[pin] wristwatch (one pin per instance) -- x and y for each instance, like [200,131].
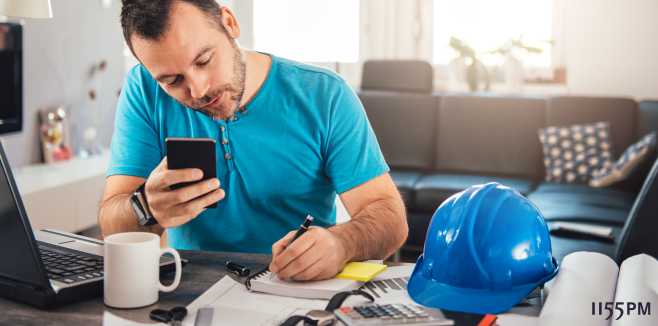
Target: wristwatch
[141,207]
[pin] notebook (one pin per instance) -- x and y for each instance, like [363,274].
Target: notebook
[265,282]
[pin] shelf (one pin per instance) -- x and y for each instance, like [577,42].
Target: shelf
[63,195]
[39,177]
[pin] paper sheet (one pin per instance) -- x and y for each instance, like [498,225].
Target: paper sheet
[637,283]
[234,305]
[584,277]
[516,320]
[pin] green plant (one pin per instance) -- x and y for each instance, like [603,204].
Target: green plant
[473,65]
[517,43]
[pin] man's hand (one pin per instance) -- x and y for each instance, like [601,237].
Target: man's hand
[317,255]
[176,207]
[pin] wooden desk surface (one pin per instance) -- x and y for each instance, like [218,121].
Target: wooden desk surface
[204,269]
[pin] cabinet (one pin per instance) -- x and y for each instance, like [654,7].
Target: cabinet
[63,195]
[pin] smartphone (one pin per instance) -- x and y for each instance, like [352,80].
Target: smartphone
[188,153]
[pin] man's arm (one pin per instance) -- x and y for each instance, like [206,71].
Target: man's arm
[377,229]
[379,223]
[170,208]
[116,214]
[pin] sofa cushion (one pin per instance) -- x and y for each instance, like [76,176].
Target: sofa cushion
[575,212]
[398,75]
[480,134]
[626,164]
[647,122]
[648,117]
[573,153]
[431,190]
[620,112]
[418,224]
[405,182]
[556,194]
[561,245]
[404,125]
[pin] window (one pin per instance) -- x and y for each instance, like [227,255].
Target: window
[308,30]
[487,25]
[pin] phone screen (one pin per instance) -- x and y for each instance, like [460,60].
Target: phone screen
[186,153]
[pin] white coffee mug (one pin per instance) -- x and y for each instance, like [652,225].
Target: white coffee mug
[132,269]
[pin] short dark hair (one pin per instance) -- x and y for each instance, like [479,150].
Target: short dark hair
[149,19]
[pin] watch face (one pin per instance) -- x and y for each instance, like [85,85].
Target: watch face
[322,317]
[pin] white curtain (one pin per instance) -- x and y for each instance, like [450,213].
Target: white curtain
[391,29]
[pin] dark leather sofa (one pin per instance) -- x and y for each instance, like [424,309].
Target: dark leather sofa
[437,144]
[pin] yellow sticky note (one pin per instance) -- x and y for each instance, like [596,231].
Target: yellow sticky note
[362,272]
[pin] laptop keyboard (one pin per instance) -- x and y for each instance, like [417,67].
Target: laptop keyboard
[70,267]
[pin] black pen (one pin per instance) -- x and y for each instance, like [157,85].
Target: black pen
[302,229]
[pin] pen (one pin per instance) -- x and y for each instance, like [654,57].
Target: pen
[302,229]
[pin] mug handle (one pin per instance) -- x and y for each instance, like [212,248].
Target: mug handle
[179,270]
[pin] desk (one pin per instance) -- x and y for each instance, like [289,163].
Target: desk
[205,268]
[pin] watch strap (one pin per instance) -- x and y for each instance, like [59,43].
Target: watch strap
[293,320]
[337,300]
[150,220]
[334,303]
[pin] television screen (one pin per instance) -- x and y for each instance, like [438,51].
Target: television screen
[11,77]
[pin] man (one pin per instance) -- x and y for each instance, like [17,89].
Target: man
[290,136]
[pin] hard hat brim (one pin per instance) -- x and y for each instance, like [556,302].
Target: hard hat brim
[430,293]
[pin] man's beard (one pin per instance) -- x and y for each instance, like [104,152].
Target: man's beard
[236,89]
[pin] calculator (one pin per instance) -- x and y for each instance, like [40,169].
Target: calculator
[391,314]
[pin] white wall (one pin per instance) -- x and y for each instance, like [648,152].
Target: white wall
[57,56]
[611,47]
[243,9]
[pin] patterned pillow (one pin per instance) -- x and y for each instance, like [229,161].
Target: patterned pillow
[632,157]
[573,153]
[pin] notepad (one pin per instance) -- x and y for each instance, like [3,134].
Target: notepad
[362,272]
[325,289]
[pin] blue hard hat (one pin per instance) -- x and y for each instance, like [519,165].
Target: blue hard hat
[486,249]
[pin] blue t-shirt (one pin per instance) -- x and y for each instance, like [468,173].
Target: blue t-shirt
[302,138]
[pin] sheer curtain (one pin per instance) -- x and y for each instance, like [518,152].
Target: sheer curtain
[392,29]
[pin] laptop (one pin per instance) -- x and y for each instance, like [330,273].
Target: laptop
[46,268]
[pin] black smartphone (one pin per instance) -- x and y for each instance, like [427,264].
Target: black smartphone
[192,153]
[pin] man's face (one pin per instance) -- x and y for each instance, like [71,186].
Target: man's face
[196,62]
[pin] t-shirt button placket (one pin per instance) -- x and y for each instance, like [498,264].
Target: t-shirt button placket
[228,157]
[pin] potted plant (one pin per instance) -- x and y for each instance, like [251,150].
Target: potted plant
[467,60]
[512,65]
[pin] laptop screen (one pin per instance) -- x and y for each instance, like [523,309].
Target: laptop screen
[17,256]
